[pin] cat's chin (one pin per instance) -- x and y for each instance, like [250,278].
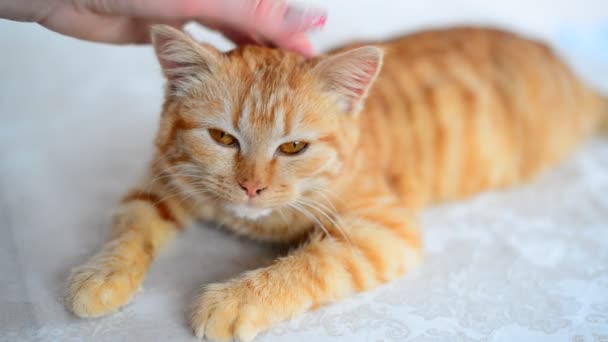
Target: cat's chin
[247,211]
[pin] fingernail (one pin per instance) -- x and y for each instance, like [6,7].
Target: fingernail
[303,19]
[319,22]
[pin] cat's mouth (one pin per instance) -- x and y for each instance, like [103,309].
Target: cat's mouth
[247,211]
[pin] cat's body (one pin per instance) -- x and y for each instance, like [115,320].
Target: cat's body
[455,112]
[452,113]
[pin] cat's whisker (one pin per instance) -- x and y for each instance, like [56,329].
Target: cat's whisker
[176,190]
[171,172]
[337,222]
[172,195]
[282,214]
[324,193]
[162,169]
[309,215]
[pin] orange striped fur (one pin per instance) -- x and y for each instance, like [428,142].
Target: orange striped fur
[451,113]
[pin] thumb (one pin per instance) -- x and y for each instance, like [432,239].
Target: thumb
[159,9]
[273,19]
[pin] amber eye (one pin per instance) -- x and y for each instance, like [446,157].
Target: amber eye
[223,137]
[293,148]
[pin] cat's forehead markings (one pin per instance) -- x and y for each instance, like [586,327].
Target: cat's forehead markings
[271,100]
[287,122]
[296,119]
[279,121]
[256,97]
[244,116]
[229,109]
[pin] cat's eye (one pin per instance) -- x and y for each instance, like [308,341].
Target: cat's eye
[223,138]
[293,148]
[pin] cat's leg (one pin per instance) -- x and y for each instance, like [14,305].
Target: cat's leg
[145,220]
[381,244]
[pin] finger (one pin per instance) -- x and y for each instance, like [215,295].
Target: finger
[139,30]
[176,9]
[102,28]
[273,19]
[240,12]
[237,37]
[298,43]
[270,18]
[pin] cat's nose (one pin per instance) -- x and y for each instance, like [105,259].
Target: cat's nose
[252,188]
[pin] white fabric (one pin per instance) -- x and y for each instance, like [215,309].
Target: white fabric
[77,123]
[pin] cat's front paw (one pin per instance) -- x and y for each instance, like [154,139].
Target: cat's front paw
[231,310]
[95,290]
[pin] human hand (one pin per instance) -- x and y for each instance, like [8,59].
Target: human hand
[268,22]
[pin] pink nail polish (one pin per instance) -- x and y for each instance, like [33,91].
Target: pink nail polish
[298,19]
[319,22]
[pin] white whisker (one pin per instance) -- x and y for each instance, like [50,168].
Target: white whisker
[312,217]
[332,217]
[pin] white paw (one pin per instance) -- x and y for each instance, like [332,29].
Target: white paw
[96,291]
[228,311]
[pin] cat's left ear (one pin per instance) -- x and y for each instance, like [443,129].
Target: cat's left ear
[349,75]
[183,60]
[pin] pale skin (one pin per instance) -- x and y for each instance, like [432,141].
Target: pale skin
[265,22]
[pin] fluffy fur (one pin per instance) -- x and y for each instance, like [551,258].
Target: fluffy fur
[452,113]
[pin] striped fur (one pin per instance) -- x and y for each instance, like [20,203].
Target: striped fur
[451,113]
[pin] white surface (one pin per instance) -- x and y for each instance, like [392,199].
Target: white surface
[76,125]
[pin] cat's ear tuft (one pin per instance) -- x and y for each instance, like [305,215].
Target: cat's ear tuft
[349,75]
[182,59]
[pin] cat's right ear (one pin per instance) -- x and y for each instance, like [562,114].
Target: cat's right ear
[349,75]
[185,62]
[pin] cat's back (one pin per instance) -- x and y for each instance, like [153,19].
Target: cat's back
[460,110]
[474,42]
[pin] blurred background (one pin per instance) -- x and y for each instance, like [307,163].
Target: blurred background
[77,120]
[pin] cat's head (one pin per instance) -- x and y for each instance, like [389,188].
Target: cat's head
[257,128]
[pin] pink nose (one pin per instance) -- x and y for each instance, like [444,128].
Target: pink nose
[252,189]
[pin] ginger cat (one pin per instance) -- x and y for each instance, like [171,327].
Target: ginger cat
[281,148]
